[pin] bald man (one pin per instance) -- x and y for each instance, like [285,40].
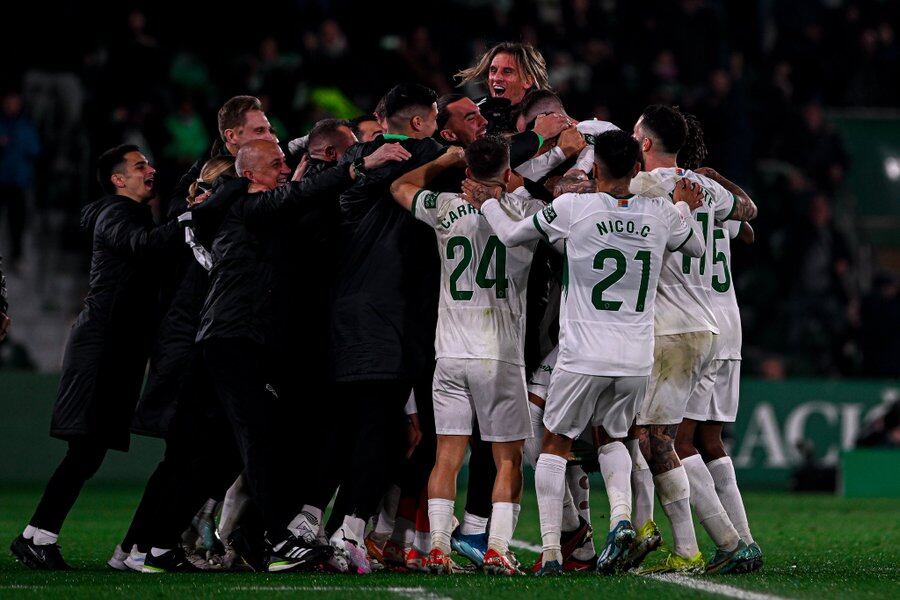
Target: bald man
[240,320]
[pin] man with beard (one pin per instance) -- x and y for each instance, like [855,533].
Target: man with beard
[384,314]
[176,374]
[107,352]
[238,327]
[511,70]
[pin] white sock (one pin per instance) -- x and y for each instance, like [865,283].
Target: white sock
[550,485]
[440,517]
[722,472]
[29,532]
[422,541]
[517,508]
[615,465]
[154,551]
[233,505]
[674,494]
[706,502]
[641,485]
[532,448]
[404,532]
[42,537]
[473,524]
[309,519]
[580,488]
[570,520]
[384,525]
[354,529]
[503,524]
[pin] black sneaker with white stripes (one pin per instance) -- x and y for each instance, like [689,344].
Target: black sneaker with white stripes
[294,553]
[34,556]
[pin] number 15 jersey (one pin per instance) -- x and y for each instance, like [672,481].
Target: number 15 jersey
[614,251]
[482,302]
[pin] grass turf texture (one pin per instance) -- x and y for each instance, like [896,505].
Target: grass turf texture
[815,546]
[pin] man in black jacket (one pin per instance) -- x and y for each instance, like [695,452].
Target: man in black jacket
[241,318]
[107,352]
[383,315]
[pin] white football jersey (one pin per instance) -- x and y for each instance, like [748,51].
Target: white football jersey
[482,303]
[683,304]
[614,251]
[727,345]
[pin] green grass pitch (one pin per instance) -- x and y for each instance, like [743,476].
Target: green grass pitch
[815,546]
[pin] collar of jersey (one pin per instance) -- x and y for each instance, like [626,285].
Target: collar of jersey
[394,136]
[625,197]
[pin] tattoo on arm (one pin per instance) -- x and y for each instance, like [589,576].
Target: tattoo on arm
[573,184]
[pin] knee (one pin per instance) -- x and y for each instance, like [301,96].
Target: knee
[684,448]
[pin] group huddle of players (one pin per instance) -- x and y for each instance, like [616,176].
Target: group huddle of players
[604,251]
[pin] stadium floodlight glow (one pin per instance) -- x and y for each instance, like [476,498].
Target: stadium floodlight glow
[892,168]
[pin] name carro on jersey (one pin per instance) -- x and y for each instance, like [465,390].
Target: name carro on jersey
[461,211]
[620,226]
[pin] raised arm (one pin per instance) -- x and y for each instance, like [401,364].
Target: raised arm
[405,187]
[744,207]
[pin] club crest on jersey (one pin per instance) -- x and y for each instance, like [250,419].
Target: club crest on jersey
[589,139]
[549,213]
[430,200]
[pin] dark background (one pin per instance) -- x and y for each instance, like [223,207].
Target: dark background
[798,100]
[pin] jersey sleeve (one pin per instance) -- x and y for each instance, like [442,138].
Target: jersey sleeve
[513,231]
[650,185]
[733,228]
[684,231]
[724,201]
[426,206]
[525,202]
[555,219]
[590,130]
[541,165]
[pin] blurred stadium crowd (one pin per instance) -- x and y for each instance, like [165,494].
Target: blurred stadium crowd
[759,75]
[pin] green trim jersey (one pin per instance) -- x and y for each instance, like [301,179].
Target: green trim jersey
[614,250]
[482,301]
[724,301]
[683,303]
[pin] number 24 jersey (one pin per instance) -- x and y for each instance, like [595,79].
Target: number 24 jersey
[482,301]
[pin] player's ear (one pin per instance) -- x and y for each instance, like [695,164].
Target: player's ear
[117,180]
[448,135]
[636,169]
[468,173]
[416,123]
[507,175]
[595,171]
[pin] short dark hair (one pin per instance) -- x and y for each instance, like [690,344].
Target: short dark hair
[355,122]
[537,102]
[487,157]
[325,130]
[616,152]
[443,113]
[379,108]
[233,113]
[408,96]
[111,162]
[667,124]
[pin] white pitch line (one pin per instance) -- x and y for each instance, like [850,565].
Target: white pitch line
[525,546]
[414,593]
[704,585]
[683,580]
